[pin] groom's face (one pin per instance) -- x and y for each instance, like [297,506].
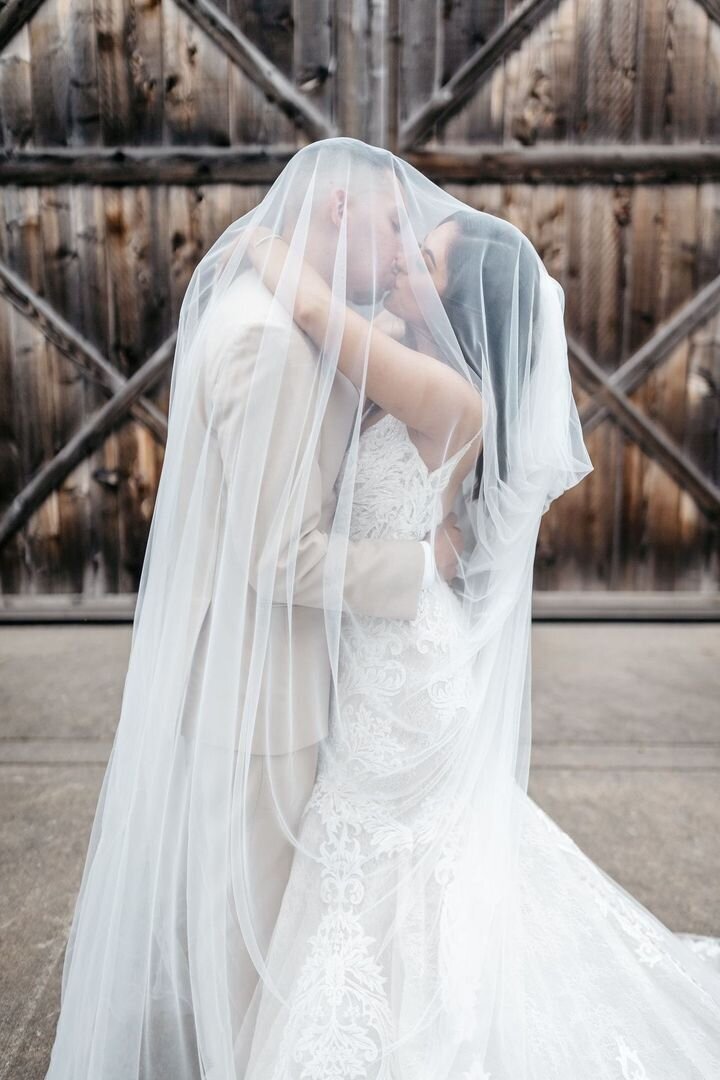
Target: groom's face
[373,239]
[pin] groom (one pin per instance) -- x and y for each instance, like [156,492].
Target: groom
[382,577]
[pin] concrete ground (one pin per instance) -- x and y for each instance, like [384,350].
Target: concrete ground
[626,759]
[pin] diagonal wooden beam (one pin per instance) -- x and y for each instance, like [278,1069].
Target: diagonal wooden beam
[78,349]
[266,76]
[477,67]
[13,16]
[84,441]
[637,367]
[649,437]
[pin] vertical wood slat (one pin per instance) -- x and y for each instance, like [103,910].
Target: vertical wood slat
[83,102]
[115,96]
[709,100]
[33,403]
[16,107]
[314,61]
[417,31]
[93,299]
[61,288]
[356,61]
[144,52]
[665,389]
[654,74]
[11,473]
[631,557]
[597,528]
[269,25]
[50,73]
[196,76]
[491,108]
[137,239]
[252,118]
[349,109]
[689,71]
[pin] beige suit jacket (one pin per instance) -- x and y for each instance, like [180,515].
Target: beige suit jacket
[382,577]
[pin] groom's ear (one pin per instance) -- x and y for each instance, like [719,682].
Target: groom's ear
[338,201]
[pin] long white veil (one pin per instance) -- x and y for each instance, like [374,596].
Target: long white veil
[261,575]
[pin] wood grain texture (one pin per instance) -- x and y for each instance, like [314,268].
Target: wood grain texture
[135,131]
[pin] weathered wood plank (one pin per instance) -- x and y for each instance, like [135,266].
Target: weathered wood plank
[662,396]
[136,237]
[595,529]
[50,73]
[101,572]
[634,370]
[32,375]
[269,25]
[144,57]
[83,104]
[114,84]
[16,108]
[651,439]
[454,93]
[91,435]
[314,61]
[72,344]
[257,67]
[418,37]
[195,70]
[572,165]
[60,285]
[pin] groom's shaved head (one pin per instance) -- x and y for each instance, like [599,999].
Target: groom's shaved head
[355,204]
[335,163]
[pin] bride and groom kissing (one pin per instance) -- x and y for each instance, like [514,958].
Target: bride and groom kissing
[314,853]
[358,226]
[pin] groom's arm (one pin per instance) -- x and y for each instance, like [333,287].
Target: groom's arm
[280,511]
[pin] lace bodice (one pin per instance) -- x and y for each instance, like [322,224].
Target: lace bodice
[396,495]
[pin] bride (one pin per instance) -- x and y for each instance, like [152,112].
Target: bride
[592,1007]
[314,855]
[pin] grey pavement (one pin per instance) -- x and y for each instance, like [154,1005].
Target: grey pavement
[626,758]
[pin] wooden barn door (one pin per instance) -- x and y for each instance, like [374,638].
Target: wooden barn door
[134,131]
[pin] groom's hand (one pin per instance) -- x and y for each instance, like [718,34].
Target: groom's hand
[448,547]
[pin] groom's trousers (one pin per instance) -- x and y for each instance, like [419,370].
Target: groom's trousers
[270,853]
[277,784]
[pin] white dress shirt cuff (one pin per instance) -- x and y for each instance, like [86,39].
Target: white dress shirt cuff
[429,573]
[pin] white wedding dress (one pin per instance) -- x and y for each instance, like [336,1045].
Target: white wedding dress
[607,990]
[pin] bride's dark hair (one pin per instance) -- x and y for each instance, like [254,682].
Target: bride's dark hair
[490,258]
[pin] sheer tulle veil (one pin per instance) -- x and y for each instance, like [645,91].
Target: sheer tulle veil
[252,582]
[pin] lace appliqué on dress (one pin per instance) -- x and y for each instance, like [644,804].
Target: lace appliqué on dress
[340,1021]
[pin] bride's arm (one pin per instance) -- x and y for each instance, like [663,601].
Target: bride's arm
[416,388]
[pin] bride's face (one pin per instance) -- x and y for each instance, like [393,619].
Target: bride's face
[402,299]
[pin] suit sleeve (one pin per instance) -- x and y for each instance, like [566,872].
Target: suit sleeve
[288,546]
